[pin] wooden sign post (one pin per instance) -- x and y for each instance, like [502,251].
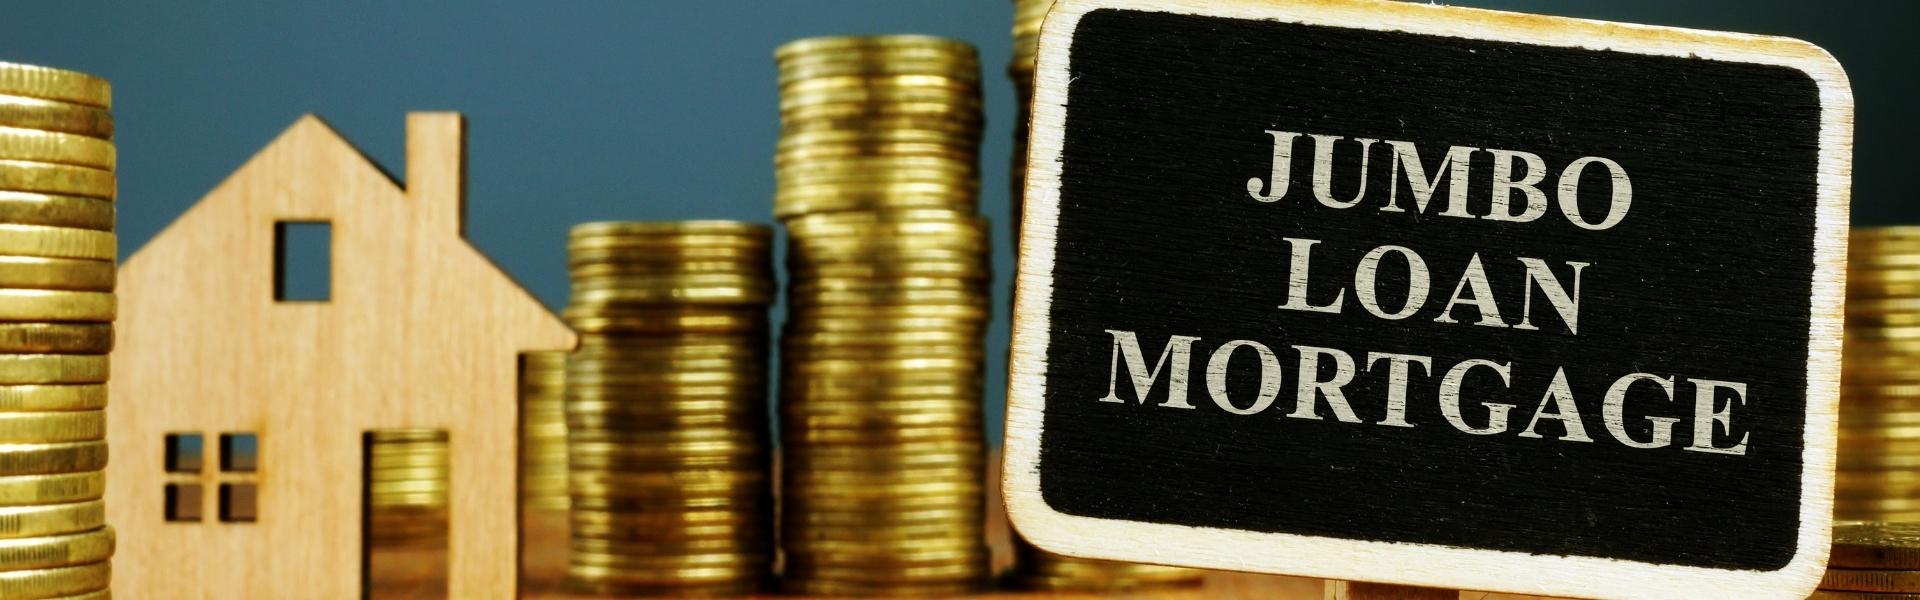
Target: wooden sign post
[1431,296]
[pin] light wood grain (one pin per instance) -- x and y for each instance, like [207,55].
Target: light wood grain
[421,331]
[1416,563]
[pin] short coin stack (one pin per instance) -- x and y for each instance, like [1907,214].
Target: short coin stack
[881,431]
[57,306]
[543,431]
[667,408]
[1042,570]
[407,488]
[1872,560]
[1879,455]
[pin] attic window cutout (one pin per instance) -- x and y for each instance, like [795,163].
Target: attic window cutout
[183,502]
[239,503]
[184,451]
[239,452]
[302,261]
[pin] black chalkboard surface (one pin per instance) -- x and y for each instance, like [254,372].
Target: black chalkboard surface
[1431,296]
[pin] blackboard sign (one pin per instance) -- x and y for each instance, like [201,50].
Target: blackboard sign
[1433,296]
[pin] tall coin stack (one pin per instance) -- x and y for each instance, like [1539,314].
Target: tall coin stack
[667,408]
[1872,561]
[1879,458]
[57,306]
[880,424]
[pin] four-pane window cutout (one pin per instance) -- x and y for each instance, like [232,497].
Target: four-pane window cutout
[238,491]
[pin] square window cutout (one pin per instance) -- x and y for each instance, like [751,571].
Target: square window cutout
[239,502]
[184,453]
[184,501]
[239,452]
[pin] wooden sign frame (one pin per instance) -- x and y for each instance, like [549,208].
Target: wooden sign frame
[1415,563]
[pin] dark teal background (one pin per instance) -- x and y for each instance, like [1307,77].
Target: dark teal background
[659,109]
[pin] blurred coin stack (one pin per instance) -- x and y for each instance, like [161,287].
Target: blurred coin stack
[407,488]
[1041,570]
[543,431]
[1027,16]
[671,491]
[1871,560]
[881,432]
[1879,458]
[57,306]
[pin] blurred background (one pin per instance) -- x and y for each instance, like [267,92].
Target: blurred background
[584,111]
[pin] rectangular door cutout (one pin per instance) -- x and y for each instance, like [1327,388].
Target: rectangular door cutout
[404,513]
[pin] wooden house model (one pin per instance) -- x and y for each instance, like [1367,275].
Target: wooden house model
[237,416]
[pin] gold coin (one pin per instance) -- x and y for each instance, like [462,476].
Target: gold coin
[51,115]
[52,397]
[58,581]
[53,368]
[711,227]
[40,273]
[55,147]
[54,338]
[56,242]
[51,305]
[58,550]
[37,427]
[854,516]
[1876,546]
[854,87]
[795,71]
[54,84]
[877,43]
[67,457]
[804,257]
[58,211]
[926,216]
[50,519]
[20,490]
[48,178]
[741,295]
[974,270]
[895,196]
[594,273]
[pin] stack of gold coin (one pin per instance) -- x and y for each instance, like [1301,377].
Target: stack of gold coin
[407,488]
[1046,571]
[1879,458]
[543,431]
[671,491]
[57,253]
[1027,17]
[1872,560]
[881,430]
